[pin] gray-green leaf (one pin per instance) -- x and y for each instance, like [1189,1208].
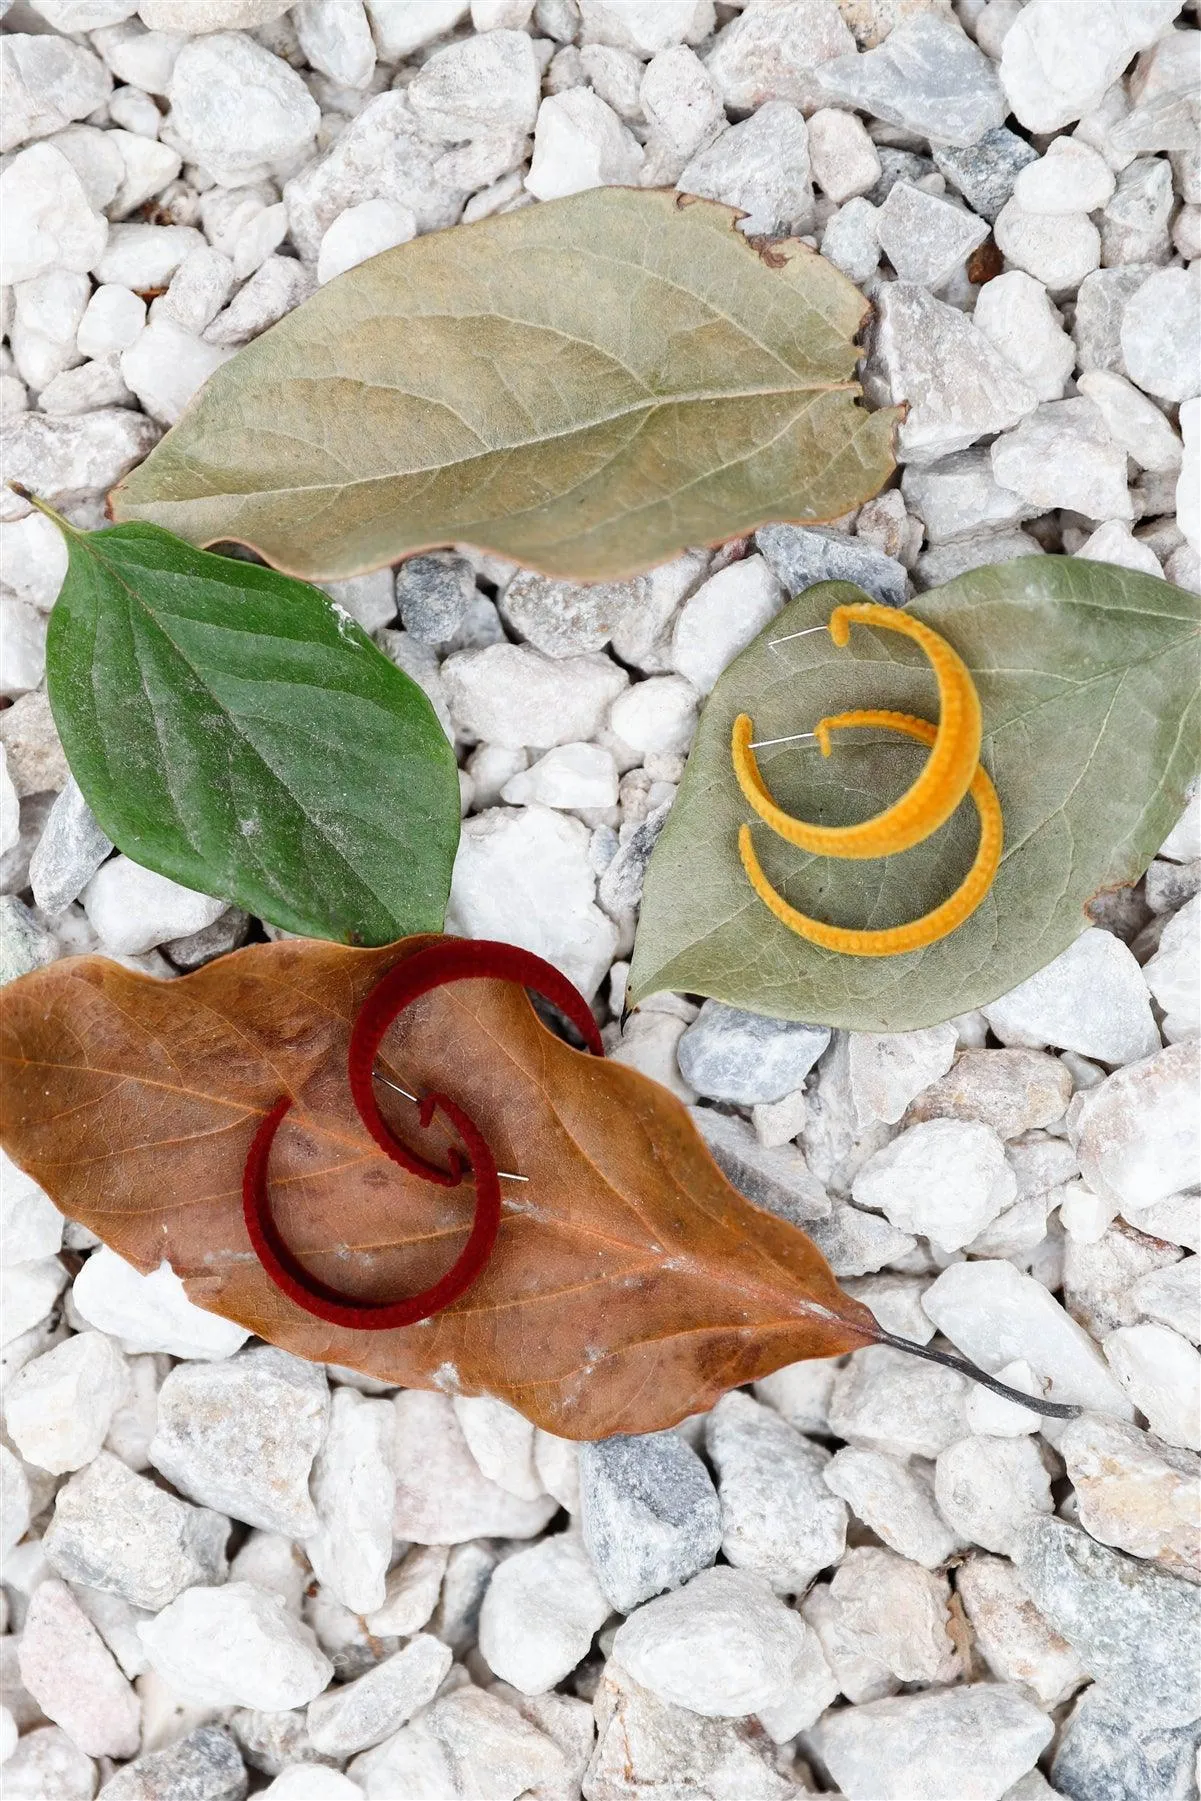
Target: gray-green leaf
[232,729]
[586,386]
[1088,679]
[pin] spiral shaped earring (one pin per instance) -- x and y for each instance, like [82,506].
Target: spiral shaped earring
[938,790]
[893,941]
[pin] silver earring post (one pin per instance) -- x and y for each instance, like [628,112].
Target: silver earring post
[807,633]
[506,1175]
[762,743]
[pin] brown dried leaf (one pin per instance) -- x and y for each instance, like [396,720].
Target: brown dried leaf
[630,1285]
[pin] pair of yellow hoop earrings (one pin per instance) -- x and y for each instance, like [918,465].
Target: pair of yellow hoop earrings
[953,771]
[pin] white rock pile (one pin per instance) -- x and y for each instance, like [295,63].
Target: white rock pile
[229,1572]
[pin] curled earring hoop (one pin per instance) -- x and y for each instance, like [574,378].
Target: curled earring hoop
[938,790]
[893,941]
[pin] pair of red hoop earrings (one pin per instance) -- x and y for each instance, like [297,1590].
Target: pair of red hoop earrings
[451,960]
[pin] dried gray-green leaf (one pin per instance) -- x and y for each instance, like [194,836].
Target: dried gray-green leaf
[586,386]
[1088,679]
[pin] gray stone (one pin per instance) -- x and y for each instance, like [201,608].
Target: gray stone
[854,1243]
[775,1177]
[897,165]
[896,1501]
[1100,305]
[1128,1620]
[985,172]
[225,934]
[119,1532]
[356,1715]
[24,946]
[945,1745]
[560,618]
[1109,1753]
[779,1518]
[619,890]
[762,166]
[799,556]
[730,1055]
[957,384]
[927,77]
[241,1436]
[433,593]
[649,1515]
[927,239]
[959,497]
[69,852]
[650,1750]
[205,1766]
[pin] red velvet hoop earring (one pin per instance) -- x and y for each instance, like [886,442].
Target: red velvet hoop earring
[337,1309]
[458,960]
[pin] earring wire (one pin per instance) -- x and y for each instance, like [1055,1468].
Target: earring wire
[506,1175]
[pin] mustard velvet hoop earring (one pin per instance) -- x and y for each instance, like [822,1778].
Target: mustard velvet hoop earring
[893,941]
[938,790]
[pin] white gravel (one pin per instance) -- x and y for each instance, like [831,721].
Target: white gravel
[229,1570]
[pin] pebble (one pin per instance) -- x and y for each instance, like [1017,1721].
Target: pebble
[679,100]
[1172,1296]
[958,386]
[1161,1372]
[656,717]
[67,461]
[1063,456]
[27,1293]
[73,1676]
[442,1495]
[799,557]
[311,1782]
[524,876]
[885,1400]
[1011,1635]
[212,77]
[47,83]
[513,695]
[410,1592]
[353,1494]
[986,172]
[645,26]
[943,1179]
[649,1515]
[779,1519]
[727,1054]
[502,1443]
[925,238]
[1107,1753]
[944,1745]
[540,1614]
[849,240]
[1091,998]
[895,1500]
[723,1646]
[580,143]
[845,162]
[1173,974]
[235,1646]
[133,909]
[773,53]
[1134,1491]
[280,284]
[58,1409]
[991,1416]
[572,776]
[1135,224]
[987,1488]
[166,365]
[46,1766]
[1070,177]
[1053,75]
[777,1178]
[359,1714]
[994,1313]
[150,1313]
[31,1226]
[117,1531]
[1126,1619]
[240,1436]
[1160,321]
[761,166]
[1135,1134]
[1013,1091]
[927,77]
[722,617]
[647,1744]
[1017,315]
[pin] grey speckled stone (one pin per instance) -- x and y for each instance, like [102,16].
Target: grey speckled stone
[798,556]
[70,851]
[433,593]
[205,1766]
[730,1055]
[24,946]
[1108,1755]
[778,1178]
[897,165]
[985,173]
[649,1514]
[927,77]
[1129,1622]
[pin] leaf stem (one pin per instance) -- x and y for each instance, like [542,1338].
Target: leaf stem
[1054,1410]
[24,493]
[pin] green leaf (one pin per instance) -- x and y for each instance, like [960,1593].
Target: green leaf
[235,731]
[586,386]
[1088,679]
